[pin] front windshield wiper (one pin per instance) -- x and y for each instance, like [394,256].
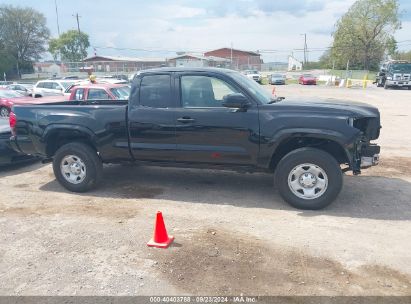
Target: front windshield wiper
[278,99]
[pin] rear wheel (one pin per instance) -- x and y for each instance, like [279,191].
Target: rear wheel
[77,167]
[308,178]
[4,112]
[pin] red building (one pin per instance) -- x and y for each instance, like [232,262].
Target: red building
[241,60]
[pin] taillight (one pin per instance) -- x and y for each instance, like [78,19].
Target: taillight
[13,122]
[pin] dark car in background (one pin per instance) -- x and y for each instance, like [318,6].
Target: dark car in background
[276,79]
[7,154]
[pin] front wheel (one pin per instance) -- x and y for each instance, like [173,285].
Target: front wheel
[308,178]
[77,167]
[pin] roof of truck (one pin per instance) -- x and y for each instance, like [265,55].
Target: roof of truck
[177,69]
[104,85]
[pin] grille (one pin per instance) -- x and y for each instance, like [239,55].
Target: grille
[405,77]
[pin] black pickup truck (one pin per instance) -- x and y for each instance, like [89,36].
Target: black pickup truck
[205,118]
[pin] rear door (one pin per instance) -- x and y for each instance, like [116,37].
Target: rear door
[151,117]
[207,132]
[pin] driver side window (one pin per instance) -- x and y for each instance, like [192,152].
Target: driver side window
[204,91]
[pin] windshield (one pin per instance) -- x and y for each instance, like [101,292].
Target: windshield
[66,84]
[121,93]
[253,87]
[251,72]
[9,94]
[404,67]
[277,75]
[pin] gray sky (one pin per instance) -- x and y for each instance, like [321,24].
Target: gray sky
[163,27]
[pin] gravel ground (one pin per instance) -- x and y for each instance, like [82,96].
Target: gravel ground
[233,233]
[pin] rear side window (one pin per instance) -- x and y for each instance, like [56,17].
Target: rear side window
[47,85]
[97,94]
[55,86]
[155,91]
[79,94]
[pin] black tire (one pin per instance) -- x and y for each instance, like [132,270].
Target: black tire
[4,112]
[386,86]
[318,158]
[92,163]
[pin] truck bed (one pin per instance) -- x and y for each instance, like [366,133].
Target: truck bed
[105,122]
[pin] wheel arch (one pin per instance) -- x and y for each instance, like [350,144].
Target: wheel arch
[56,136]
[291,143]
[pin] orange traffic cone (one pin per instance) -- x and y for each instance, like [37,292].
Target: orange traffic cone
[160,239]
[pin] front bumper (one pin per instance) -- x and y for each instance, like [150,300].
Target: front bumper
[398,83]
[370,155]
[365,155]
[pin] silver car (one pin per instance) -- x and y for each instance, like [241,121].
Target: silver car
[24,89]
[276,79]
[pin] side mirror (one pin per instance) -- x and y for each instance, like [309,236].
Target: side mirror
[236,100]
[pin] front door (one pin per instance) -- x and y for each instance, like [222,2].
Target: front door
[151,119]
[207,132]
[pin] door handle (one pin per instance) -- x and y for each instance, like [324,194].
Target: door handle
[185,119]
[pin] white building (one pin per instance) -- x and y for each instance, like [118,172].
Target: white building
[294,64]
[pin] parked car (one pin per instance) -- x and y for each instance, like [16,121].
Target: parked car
[205,118]
[72,77]
[24,89]
[100,91]
[276,79]
[254,75]
[7,154]
[51,87]
[8,98]
[4,84]
[307,79]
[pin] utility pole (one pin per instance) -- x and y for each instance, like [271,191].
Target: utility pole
[57,15]
[78,22]
[305,48]
[79,32]
[231,55]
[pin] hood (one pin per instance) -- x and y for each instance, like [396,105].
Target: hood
[352,109]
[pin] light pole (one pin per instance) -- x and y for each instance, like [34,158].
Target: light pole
[305,47]
[57,16]
[79,32]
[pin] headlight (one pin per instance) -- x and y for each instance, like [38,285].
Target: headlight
[389,78]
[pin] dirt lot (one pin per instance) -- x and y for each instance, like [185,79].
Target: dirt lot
[233,233]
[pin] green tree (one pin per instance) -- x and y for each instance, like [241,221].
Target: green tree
[23,34]
[403,55]
[364,34]
[71,46]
